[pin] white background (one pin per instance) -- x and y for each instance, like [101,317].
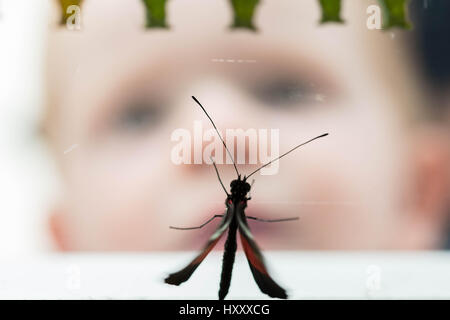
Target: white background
[306,275]
[24,170]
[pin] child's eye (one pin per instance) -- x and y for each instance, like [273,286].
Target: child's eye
[139,115]
[283,92]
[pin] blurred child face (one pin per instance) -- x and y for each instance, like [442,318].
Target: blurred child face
[119,93]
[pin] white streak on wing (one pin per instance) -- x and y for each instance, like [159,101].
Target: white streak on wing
[224,225]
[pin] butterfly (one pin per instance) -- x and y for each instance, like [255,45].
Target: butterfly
[233,220]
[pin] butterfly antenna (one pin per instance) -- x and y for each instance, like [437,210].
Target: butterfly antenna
[228,151]
[323,135]
[218,176]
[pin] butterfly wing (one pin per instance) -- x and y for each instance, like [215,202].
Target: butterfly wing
[184,274]
[256,260]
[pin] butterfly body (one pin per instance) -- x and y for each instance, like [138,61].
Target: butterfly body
[237,199]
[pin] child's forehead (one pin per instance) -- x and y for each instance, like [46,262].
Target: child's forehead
[112,29]
[113,40]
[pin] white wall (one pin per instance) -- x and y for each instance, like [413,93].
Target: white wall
[24,171]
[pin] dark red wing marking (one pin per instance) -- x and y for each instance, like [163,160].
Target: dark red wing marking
[205,251]
[251,256]
[185,273]
[256,262]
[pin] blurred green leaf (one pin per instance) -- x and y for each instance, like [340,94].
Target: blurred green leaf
[64,5]
[395,14]
[244,11]
[331,11]
[156,13]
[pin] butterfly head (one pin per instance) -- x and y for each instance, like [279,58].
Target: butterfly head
[239,188]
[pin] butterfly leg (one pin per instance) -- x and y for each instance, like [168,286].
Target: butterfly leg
[199,227]
[272,220]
